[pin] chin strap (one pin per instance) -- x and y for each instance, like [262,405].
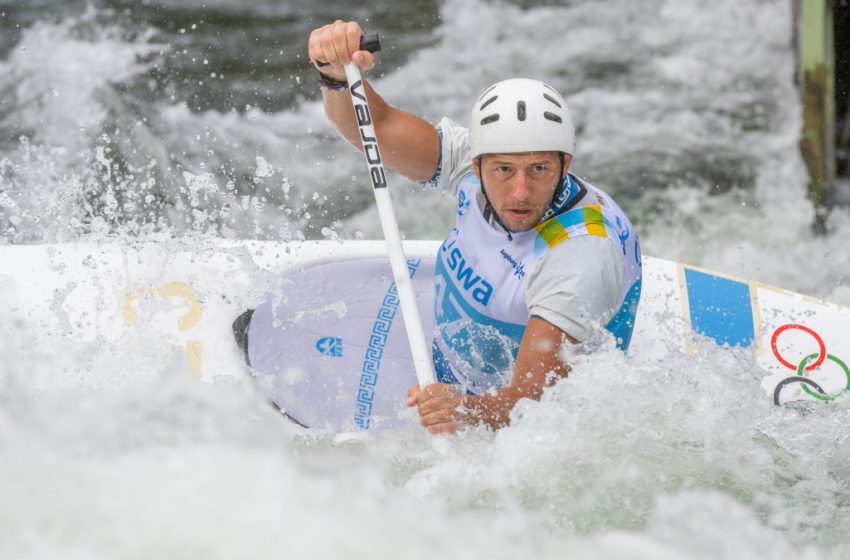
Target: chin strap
[488,208]
[559,187]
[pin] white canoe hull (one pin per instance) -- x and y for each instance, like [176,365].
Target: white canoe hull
[188,294]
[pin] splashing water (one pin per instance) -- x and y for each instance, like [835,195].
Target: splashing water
[687,113]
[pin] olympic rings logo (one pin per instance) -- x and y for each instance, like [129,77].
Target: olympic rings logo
[806,364]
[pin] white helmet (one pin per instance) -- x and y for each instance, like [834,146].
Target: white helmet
[521,115]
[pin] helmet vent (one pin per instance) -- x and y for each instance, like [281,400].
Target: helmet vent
[552,99]
[520,110]
[492,99]
[552,117]
[491,119]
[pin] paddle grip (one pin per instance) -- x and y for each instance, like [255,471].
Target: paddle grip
[368,42]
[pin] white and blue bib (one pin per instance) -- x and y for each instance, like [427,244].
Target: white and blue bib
[480,282]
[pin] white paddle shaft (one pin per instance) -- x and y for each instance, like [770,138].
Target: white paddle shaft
[409,310]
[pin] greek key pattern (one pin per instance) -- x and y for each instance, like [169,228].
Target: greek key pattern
[375,351]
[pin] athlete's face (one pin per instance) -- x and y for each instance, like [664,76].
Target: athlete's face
[521,186]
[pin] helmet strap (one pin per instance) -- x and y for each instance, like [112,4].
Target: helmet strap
[564,189]
[488,208]
[559,185]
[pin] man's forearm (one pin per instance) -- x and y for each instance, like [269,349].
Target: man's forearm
[340,112]
[409,145]
[538,365]
[494,409]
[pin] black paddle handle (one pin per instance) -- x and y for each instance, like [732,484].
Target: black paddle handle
[369,42]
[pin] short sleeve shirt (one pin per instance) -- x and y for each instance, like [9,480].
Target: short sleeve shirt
[577,285]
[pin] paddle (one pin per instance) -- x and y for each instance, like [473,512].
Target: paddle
[410,312]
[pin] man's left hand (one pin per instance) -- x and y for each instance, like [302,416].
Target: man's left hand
[439,406]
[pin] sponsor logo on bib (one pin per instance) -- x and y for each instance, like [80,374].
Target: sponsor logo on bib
[519,267]
[462,204]
[480,289]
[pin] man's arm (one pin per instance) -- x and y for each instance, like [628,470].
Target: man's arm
[442,407]
[409,145]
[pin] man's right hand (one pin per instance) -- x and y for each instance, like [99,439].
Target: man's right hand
[337,44]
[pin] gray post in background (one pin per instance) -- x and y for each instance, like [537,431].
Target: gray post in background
[841,16]
[816,57]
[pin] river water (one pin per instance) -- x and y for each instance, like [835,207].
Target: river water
[193,119]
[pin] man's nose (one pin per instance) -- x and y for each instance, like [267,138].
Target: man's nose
[521,186]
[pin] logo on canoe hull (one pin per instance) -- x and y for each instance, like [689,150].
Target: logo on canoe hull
[330,346]
[809,365]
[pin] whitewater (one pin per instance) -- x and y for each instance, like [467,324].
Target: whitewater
[183,122]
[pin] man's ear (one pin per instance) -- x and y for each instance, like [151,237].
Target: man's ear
[476,166]
[568,159]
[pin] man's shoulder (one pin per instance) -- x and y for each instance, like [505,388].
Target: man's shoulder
[454,163]
[577,264]
[582,252]
[576,284]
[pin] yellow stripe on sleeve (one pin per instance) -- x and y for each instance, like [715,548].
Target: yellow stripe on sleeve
[594,222]
[552,232]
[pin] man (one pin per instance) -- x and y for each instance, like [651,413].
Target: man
[538,259]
